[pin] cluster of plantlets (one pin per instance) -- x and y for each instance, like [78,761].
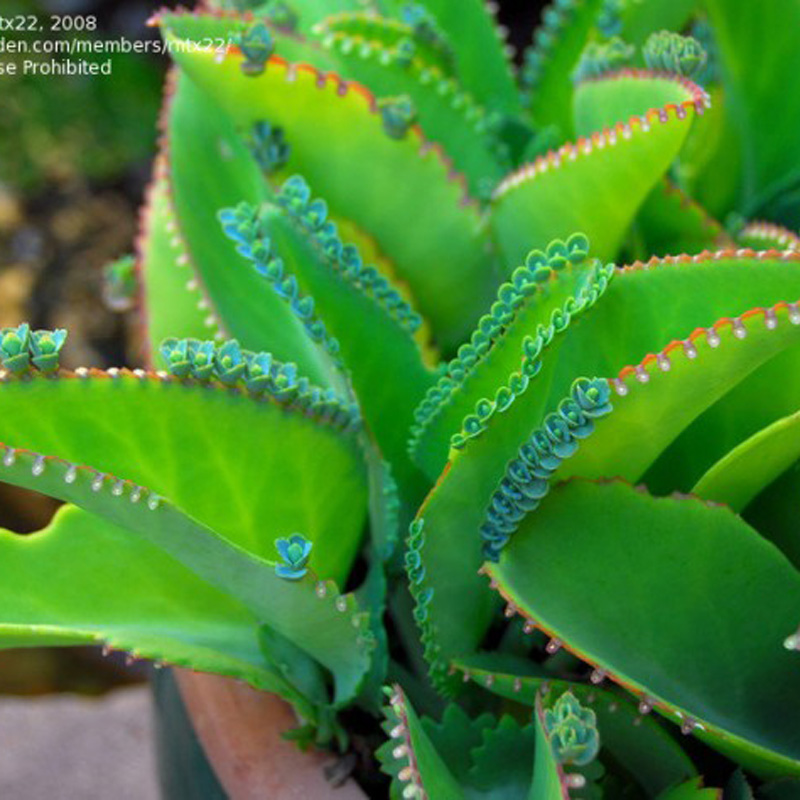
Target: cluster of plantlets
[548,326]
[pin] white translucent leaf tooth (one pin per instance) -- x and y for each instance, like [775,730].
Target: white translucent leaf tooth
[619,387]
[71,475]
[770,319]
[97,483]
[38,466]
[10,457]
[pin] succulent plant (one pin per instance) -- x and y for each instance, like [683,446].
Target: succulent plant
[546,326]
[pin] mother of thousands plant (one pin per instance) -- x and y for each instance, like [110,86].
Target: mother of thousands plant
[419,428]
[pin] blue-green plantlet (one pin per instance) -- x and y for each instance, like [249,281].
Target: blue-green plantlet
[470,401]
[295,552]
[572,730]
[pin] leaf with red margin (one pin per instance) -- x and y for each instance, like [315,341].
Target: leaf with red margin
[310,613]
[446,113]
[712,658]
[767,236]
[597,184]
[638,743]
[211,450]
[198,133]
[410,757]
[707,366]
[141,600]
[338,144]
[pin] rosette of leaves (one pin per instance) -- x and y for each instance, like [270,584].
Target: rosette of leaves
[548,325]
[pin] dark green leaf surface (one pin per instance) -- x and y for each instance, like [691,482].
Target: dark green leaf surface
[714,654]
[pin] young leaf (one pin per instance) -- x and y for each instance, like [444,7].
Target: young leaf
[199,133]
[443,259]
[597,184]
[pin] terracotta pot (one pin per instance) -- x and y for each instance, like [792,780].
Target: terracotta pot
[240,731]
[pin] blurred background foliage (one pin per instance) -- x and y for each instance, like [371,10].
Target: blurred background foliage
[75,155]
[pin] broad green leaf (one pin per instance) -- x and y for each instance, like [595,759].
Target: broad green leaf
[766,236]
[713,657]
[211,451]
[747,469]
[442,257]
[198,133]
[734,416]
[657,388]
[549,62]
[389,34]
[755,43]
[722,295]
[619,97]
[446,113]
[311,613]
[480,51]
[141,599]
[597,184]
[410,757]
